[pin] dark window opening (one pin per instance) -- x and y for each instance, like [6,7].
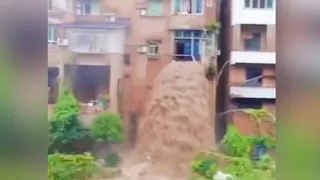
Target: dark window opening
[254,76]
[262,4]
[89,83]
[249,103]
[53,85]
[255,3]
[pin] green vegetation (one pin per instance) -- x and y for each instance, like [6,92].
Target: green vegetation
[108,127]
[239,159]
[65,129]
[71,167]
[64,125]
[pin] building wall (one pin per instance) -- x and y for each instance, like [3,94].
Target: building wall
[244,22]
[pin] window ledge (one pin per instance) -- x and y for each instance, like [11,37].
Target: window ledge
[186,14]
[153,16]
[153,56]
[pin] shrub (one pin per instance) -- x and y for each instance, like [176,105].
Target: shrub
[65,126]
[108,127]
[71,167]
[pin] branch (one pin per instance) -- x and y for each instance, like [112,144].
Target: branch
[221,71]
[245,110]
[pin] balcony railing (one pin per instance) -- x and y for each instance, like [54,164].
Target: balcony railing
[88,42]
[249,57]
[253,92]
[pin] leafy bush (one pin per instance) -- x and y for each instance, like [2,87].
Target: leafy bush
[204,166]
[108,127]
[71,167]
[65,126]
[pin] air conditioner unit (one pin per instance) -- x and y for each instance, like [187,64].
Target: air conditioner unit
[110,17]
[142,49]
[142,12]
[62,42]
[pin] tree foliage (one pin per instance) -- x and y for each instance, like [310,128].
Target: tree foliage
[71,167]
[238,159]
[65,126]
[108,127]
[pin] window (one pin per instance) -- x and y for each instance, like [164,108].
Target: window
[153,49]
[87,43]
[249,103]
[258,4]
[188,6]
[253,76]
[187,45]
[253,43]
[87,7]
[52,36]
[155,8]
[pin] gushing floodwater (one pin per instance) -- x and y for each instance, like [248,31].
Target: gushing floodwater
[177,123]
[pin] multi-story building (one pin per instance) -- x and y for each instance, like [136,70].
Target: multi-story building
[252,72]
[99,39]
[86,50]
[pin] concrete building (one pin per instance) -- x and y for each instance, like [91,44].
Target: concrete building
[99,43]
[252,72]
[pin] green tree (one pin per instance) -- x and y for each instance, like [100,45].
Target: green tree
[65,126]
[107,129]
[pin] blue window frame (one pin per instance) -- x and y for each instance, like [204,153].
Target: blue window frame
[187,44]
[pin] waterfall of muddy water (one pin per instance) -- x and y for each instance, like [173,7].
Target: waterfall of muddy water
[177,122]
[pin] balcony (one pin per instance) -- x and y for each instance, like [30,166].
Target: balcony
[249,57]
[186,21]
[253,92]
[242,15]
[93,41]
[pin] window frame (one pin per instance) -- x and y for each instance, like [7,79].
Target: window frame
[266,4]
[149,5]
[191,35]
[81,8]
[252,39]
[53,40]
[181,12]
[153,46]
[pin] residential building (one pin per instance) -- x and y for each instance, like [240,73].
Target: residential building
[128,41]
[86,51]
[252,71]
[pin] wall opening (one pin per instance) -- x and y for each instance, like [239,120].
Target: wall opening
[89,83]
[53,85]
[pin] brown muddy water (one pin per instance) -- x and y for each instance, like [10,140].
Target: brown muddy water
[177,124]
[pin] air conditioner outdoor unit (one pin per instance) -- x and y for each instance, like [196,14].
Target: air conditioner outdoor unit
[142,12]
[110,17]
[62,42]
[142,49]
